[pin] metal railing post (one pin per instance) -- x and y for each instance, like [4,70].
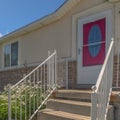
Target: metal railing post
[118,62]
[9,102]
[94,106]
[66,62]
[55,69]
[49,87]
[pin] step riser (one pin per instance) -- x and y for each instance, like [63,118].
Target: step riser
[76,109]
[77,96]
[52,117]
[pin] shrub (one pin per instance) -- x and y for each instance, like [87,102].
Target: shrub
[23,101]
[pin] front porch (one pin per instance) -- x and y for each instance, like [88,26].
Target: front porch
[52,74]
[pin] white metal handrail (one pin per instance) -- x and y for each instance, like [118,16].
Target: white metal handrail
[102,90]
[30,94]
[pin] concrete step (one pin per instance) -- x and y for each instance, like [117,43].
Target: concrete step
[49,114]
[74,94]
[70,105]
[76,107]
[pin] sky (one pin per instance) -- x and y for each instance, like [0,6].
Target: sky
[15,14]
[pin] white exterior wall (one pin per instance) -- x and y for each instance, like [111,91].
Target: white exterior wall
[60,35]
[38,43]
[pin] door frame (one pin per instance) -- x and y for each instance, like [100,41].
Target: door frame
[106,14]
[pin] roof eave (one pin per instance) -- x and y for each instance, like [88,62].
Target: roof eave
[58,14]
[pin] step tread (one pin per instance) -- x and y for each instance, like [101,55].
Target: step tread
[74,91]
[74,94]
[65,114]
[71,102]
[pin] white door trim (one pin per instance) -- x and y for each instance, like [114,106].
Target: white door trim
[106,14]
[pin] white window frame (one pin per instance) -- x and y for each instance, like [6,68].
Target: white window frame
[3,65]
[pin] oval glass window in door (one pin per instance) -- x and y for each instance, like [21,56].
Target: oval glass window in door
[94,40]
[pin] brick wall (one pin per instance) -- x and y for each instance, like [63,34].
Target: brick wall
[62,73]
[115,74]
[13,76]
[72,74]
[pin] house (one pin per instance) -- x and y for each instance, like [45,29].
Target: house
[81,32]
[68,30]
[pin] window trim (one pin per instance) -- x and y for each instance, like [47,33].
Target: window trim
[14,66]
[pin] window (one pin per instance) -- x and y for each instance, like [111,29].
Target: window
[7,55]
[11,54]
